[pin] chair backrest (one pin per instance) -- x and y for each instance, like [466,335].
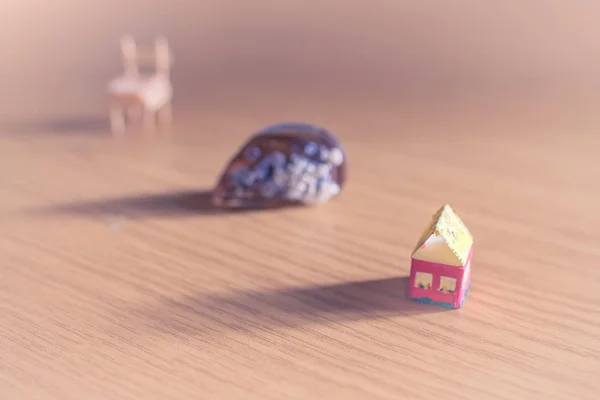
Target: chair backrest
[160,57]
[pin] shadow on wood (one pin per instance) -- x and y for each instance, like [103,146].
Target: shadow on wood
[75,125]
[182,203]
[252,312]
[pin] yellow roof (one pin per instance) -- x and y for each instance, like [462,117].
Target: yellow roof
[446,240]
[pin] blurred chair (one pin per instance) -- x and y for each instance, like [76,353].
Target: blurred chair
[136,94]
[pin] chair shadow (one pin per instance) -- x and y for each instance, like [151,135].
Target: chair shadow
[254,312]
[182,203]
[68,125]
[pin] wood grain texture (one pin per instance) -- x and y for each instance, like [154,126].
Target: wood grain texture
[119,281]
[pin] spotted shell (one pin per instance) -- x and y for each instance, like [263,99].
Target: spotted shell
[283,163]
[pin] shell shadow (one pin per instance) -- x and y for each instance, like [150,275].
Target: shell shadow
[171,204]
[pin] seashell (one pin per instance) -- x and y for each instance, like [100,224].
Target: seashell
[289,163]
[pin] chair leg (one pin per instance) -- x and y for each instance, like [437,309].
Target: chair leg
[165,114]
[149,120]
[117,119]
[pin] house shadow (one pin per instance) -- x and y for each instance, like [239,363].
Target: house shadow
[253,312]
[171,204]
[68,125]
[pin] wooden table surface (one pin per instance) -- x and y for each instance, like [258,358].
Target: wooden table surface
[118,280]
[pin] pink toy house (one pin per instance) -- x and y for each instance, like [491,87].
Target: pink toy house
[440,271]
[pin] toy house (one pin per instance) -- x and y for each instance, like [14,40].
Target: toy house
[147,94]
[440,271]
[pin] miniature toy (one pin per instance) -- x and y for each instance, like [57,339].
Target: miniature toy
[283,164]
[441,262]
[134,93]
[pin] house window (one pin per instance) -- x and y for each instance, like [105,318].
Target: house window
[423,280]
[447,285]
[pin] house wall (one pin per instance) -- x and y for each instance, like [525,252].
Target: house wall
[462,276]
[466,282]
